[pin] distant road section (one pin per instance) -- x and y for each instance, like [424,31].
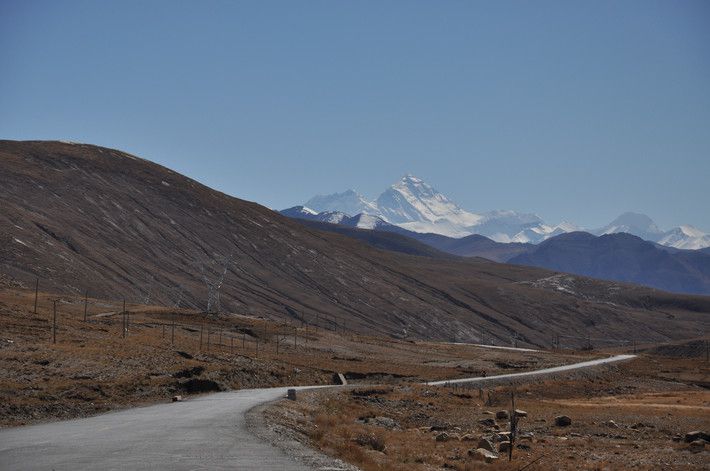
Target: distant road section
[496,347]
[205,433]
[546,371]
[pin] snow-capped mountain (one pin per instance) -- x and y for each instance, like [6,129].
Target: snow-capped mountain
[360,221]
[414,205]
[348,202]
[411,200]
[637,224]
[640,225]
[685,237]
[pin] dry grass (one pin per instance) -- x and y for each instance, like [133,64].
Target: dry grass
[648,410]
[93,368]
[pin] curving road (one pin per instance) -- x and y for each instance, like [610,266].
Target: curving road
[546,371]
[205,433]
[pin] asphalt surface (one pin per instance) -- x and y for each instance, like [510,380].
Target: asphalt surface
[205,433]
[545,371]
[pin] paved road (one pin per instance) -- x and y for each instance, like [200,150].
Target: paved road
[515,349]
[556,369]
[205,433]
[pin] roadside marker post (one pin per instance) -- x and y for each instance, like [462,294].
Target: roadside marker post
[36,293]
[54,322]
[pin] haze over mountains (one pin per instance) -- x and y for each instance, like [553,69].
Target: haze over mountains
[81,217]
[414,205]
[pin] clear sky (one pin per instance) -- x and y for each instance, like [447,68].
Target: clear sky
[574,110]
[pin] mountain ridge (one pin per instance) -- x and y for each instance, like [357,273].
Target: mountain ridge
[414,205]
[82,217]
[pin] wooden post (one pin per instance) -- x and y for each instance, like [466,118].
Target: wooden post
[54,323]
[513,425]
[86,303]
[36,293]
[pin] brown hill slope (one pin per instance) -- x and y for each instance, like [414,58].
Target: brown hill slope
[85,217]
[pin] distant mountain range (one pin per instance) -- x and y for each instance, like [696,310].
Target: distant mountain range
[615,256]
[414,205]
[622,257]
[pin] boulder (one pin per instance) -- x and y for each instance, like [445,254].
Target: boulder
[177,398]
[697,446]
[291,394]
[503,447]
[697,435]
[489,422]
[520,413]
[385,422]
[442,437]
[486,444]
[563,421]
[481,454]
[502,415]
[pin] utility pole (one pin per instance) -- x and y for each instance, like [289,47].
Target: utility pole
[54,323]
[86,303]
[36,293]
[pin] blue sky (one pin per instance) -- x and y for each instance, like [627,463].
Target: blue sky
[575,110]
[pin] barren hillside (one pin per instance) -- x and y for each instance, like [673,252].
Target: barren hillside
[82,217]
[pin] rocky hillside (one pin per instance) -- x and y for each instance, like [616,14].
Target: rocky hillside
[82,217]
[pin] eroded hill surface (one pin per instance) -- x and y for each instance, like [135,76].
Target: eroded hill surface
[82,217]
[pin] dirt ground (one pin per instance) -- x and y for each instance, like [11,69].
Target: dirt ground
[94,367]
[633,415]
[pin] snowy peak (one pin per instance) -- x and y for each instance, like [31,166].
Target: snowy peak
[411,200]
[634,223]
[413,204]
[685,237]
[349,202]
[682,237]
